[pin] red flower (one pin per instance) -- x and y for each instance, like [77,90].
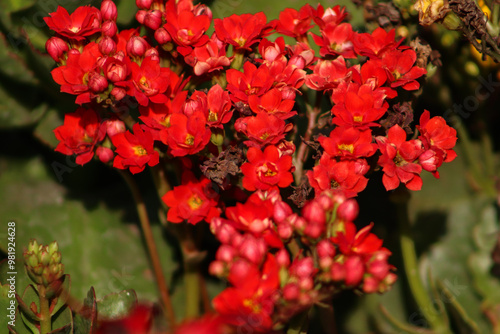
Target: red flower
[219,105]
[398,159]
[186,135]
[84,21]
[209,57]
[295,23]
[75,77]
[267,169]
[187,29]
[272,103]
[252,297]
[194,200]
[262,130]
[348,143]
[149,81]
[328,74]
[242,31]
[374,45]
[400,70]
[336,40]
[134,150]
[436,135]
[253,81]
[79,134]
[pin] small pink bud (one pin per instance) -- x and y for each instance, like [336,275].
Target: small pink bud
[281,211]
[153,19]
[252,249]
[107,45]
[162,36]
[116,72]
[354,270]
[153,53]
[326,201]
[56,48]
[338,272]
[283,258]
[104,154]
[325,249]
[109,28]
[429,160]
[297,61]
[288,93]
[348,211]
[118,93]
[114,127]
[285,230]
[73,52]
[325,262]
[201,9]
[304,268]
[291,292]
[225,233]
[313,212]
[297,222]
[136,46]
[143,4]
[259,225]
[97,83]
[216,268]
[140,16]
[239,270]
[370,285]
[225,253]
[306,283]
[108,10]
[314,230]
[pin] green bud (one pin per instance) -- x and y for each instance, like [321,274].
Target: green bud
[53,247]
[45,257]
[56,258]
[217,137]
[452,21]
[33,246]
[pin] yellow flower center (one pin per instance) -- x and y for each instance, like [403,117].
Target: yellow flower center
[189,140]
[139,150]
[346,147]
[195,202]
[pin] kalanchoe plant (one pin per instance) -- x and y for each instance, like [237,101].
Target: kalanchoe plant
[144,104]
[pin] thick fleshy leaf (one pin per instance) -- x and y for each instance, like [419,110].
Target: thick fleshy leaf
[86,320]
[117,305]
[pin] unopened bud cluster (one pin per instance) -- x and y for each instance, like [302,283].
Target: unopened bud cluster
[43,263]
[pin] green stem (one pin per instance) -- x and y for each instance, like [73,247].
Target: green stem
[152,249]
[192,280]
[45,322]
[401,198]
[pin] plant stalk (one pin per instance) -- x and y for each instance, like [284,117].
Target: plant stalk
[45,319]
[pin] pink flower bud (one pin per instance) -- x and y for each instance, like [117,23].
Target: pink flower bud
[108,10]
[325,249]
[140,16]
[225,233]
[216,268]
[354,270]
[429,160]
[153,19]
[56,48]
[104,154]
[73,52]
[116,72]
[297,61]
[325,262]
[114,127]
[379,267]
[338,272]
[162,36]
[109,28]
[283,258]
[107,45]
[236,240]
[304,268]
[252,249]
[297,222]
[97,83]
[348,211]
[201,9]
[370,285]
[143,4]
[306,284]
[240,269]
[326,201]
[118,93]
[259,225]
[313,212]
[291,292]
[314,230]
[153,53]
[281,211]
[225,253]
[136,46]
[285,230]
[288,93]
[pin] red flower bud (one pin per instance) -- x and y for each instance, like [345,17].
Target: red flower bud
[201,9]
[97,83]
[143,4]
[370,285]
[337,272]
[56,48]
[314,230]
[354,270]
[325,249]
[115,126]
[216,268]
[325,201]
[291,292]
[136,46]
[107,45]
[283,258]
[140,15]
[153,19]
[118,93]
[281,211]
[314,212]
[116,72]
[253,249]
[225,253]
[162,36]
[109,28]
[104,154]
[153,53]
[297,222]
[306,283]
[348,210]
[108,10]
[304,268]
[285,230]
[240,269]
[73,52]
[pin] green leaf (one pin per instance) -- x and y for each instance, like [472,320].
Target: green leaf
[85,321]
[13,65]
[64,294]
[29,297]
[62,321]
[117,305]
[7,303]
[15,112]
[29,324]
[97,232]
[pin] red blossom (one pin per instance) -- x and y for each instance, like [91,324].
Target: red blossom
[135,150]
[194,200]
[253,81]
[336,40]
[375,44]
[219,105]
[80,133]
[83,22]
[398,159]
[209,57]
[262,130]
[436,135]
[272,102]
[295,23]
[187,29]
[328,74]
[267,169]
[348,143]
[400,70]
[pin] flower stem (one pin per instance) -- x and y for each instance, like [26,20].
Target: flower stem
[152,249]
[45,322]
[401,198]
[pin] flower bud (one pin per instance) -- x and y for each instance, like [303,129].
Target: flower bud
[304,268]
[283,258]
[118,93]
[291,292]
[285,230]
[114,126]
[306,284]
[56,48]
[97,83]
[253,249]
[140,15]
[73,52]
[325,249]
[153,53]
[109,28]
[370,285]
[162,36]
[108,10]
[105,154]
[107,46]
[216,268]
[337,272]
[281,211]
[143,4]
[314,230]
[225,253]
[239,270]
[116,72]
[354,270]
[348,211]
[201,9]
[153,19]
[313,212]
[136,46]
